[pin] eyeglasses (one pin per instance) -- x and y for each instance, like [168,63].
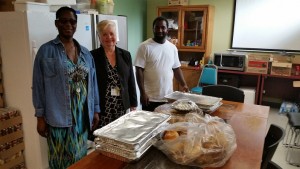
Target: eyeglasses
[65,21]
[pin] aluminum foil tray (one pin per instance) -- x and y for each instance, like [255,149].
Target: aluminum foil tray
[211,109]
[184,105]
[125,155]
[115,148]
[132,130]
[201,100]
[122,158]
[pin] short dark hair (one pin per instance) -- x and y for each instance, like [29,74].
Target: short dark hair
[63,9]
[160,18]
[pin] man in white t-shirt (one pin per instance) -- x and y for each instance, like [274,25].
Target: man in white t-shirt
[156,63]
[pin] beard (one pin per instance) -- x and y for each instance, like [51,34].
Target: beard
[160,38]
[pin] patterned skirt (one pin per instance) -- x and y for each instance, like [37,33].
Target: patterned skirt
[68,145]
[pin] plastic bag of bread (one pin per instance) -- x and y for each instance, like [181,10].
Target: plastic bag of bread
[200,141]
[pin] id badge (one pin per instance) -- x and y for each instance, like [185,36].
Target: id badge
[115,91]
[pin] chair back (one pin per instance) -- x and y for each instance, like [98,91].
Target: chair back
[272,165]
[226,92]
[209,75]
[274,136]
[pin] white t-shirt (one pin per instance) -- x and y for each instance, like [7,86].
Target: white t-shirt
[158,60]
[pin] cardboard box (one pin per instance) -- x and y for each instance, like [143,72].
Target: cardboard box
[59,2]
[281,68]
[257,66]
[258,63]
[296,83]
[296,60]
[281,58]
[2,104]
[10,122]
[12,151]
[249,94]
[178,2]
[258,56]
[11,135]
[295,70]
[31,6]
[19,161]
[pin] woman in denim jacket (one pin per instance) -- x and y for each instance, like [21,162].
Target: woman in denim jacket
[65,93]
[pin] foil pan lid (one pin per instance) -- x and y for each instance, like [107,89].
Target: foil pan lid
[200,100]
[184,105]
[133,129]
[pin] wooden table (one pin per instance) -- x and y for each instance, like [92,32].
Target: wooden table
[249,123]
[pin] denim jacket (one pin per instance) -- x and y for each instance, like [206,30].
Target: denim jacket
[50,91]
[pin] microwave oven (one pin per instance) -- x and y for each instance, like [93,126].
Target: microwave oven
[230,61]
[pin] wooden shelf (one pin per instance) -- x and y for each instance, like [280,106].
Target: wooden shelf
[270,89]
[238,72]
[283,77]
[191,49]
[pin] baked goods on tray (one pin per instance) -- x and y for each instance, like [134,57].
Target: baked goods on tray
[199,141]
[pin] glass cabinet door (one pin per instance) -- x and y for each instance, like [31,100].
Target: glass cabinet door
[193,30]
[173,17]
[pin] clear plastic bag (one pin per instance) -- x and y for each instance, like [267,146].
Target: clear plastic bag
[185,105]
[200,141]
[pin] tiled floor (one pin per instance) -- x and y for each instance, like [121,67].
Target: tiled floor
[280,154]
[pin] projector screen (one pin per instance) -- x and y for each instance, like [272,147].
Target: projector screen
[266,25]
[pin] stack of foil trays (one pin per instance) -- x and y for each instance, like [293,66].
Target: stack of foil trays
[130,136]
[206,103]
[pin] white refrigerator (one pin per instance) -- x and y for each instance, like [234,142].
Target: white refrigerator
[21,34]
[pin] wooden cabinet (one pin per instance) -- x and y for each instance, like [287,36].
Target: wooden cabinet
[276,89]
[191,75]
[270,90]
[190,29]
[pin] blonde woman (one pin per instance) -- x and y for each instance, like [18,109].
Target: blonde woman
[116,81]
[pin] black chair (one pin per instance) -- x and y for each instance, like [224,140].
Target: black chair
[294,139]
[274,136]
[226,92]
[293,127]
[272,165]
